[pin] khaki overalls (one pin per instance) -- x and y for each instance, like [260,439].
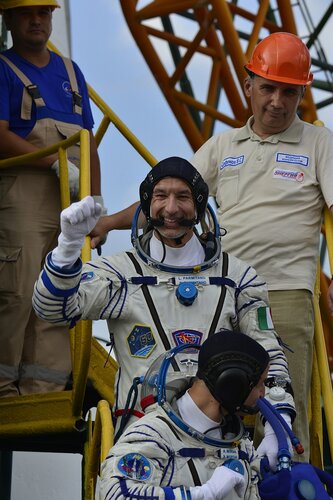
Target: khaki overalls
[34,355]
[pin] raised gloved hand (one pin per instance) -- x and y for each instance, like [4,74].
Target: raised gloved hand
[220,484]
[76,222]
[269,445]
[73,176]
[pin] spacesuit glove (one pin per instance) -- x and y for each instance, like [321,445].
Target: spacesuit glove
[76,222]
[73,176]
[269,445]
[220,484]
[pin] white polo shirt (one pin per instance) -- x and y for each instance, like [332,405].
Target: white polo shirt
[271,194]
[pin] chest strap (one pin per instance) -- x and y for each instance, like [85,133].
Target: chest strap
[31,91]
[153,280]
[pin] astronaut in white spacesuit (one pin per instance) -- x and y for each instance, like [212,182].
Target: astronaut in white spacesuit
[173,287]
[191,442]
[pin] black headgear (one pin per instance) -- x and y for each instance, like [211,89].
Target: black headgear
[175,167]
[231,364]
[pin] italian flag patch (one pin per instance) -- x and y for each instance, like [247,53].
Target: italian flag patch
[265,318]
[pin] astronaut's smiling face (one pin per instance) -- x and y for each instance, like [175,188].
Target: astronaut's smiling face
[172,201]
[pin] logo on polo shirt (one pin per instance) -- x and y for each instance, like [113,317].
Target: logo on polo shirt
[232,161]
[301,160]
[66,86]
[288,175]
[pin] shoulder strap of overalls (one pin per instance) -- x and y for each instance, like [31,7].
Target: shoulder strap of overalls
[30,91]
[77,98]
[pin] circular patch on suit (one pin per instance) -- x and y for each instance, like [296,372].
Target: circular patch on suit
[135,466]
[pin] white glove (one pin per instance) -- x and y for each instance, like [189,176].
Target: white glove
[76,222]
[269,444]
[220,484]
[73,176]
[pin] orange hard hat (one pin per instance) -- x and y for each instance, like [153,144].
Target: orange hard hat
[282,57]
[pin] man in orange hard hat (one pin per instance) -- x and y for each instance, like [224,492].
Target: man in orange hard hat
[271,179]
[43,100]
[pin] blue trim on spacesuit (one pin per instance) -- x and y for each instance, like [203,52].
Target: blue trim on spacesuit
[57,292]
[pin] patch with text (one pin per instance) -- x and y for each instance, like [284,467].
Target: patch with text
[141,341]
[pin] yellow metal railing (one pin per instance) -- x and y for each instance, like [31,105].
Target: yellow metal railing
[328,223]
[321,384]
[321,390]
[321,379]
[99,444]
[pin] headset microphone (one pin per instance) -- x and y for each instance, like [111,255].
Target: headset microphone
[159,222]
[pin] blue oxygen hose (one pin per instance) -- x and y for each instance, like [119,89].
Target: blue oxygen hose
[292,481]
[294,439]
[284,455]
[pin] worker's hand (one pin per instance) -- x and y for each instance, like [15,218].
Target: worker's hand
[330,297]
[220,484]
[73,177]
[99,233]
[76,222]
[269,445]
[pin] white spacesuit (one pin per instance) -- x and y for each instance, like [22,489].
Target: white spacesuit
[177,451]
[151,306]
[169,458]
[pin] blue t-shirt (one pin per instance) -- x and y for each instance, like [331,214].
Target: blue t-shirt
[54,86]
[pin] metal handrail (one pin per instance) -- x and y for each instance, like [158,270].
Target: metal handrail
[322,366]
[328,223]
[100,444]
